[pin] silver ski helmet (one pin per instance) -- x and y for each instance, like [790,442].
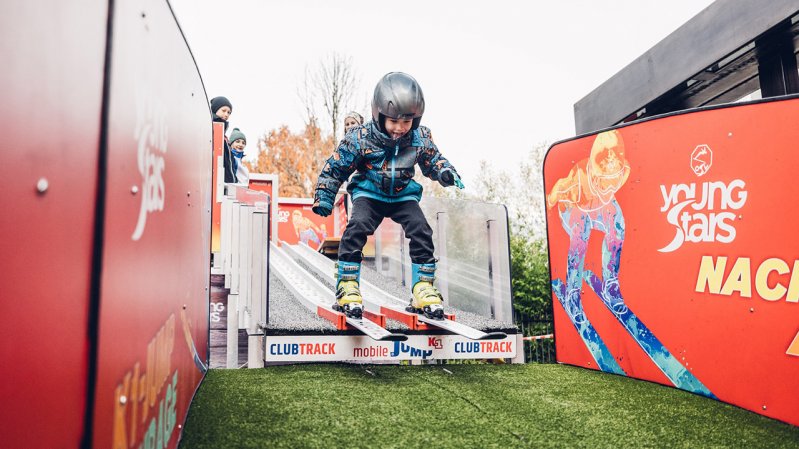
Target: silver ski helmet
[397,95]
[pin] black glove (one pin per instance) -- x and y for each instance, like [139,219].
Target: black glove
[446,178]
[450,177]
[322,208]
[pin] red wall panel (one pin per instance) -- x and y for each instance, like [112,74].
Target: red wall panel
[156,260]
[52,80]
[218,181]
[673,253]
[297,222]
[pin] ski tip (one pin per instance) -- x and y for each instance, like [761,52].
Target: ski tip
[494,336]
[395,337]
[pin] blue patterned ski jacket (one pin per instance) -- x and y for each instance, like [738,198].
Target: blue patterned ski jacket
[385,167]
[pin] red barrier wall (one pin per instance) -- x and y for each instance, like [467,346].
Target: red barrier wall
[672,253]
[292,218]
[52,80]
[106,201]
[153,329]
[218,182]
[298,223]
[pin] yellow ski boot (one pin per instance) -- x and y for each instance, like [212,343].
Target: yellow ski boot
[426,298]
[348,292]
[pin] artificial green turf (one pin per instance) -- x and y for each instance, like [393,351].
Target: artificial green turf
[504,406]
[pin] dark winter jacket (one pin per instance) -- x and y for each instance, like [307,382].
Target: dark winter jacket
[385,167]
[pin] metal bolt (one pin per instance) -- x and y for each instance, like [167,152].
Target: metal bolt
[184,306]
[188,193]
[764,407]
[740,216]
[729,134]
[123,399]
[42,185]
[134,190]
[752,309]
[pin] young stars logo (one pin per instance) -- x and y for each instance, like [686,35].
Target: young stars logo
[702,212]
[152,137]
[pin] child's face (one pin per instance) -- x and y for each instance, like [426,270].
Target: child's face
[397,128]
[223,113]
[350,122]
[238,144]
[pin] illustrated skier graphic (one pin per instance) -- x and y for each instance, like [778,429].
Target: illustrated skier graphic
[586,201]
[383,154]
[306,230]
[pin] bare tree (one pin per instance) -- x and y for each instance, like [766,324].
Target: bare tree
[521,190]
[331,86]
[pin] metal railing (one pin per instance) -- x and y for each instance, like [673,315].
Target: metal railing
[245,264]
[539,339]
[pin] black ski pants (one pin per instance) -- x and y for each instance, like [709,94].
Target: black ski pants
[367,214]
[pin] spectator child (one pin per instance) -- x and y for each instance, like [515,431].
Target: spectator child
[237,144]
[351,120]
[221,108]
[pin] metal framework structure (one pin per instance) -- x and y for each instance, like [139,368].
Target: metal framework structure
[728,51]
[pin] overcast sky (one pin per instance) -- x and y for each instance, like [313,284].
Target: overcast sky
[498,76]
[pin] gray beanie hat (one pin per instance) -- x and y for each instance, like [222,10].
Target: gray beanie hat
[236,134]
[358,117]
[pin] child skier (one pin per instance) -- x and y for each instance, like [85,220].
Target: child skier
[383,152]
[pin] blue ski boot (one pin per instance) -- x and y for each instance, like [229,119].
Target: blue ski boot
[426,298]
[348,292]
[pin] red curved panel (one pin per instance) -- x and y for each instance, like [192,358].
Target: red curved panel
[672,252]
[153,333]
[52,80]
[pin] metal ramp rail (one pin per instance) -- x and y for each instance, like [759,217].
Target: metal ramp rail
[378,300]
[316,297]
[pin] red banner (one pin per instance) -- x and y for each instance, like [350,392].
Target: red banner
[153,332]
[297,223]
[672,254]
[217,186]
[52,91]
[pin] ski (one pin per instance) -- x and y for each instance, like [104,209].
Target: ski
[660,355]
[374,331]
[412,320]
[461,329]
[599,351]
